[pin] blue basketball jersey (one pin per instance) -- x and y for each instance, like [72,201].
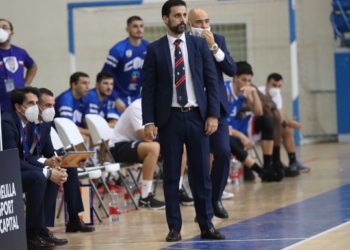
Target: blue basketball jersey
[235,105]
[69,107]
[105,108]
[125,63]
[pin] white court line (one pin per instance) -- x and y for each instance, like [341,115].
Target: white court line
[182,242]
[317,235]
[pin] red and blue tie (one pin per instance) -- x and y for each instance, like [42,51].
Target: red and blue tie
[180,75]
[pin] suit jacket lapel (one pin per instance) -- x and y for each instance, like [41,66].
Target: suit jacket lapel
[166,50]
[190,49]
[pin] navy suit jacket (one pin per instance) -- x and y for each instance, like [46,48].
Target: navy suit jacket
[228,67]
[157,84]
[11,134]
[45,140]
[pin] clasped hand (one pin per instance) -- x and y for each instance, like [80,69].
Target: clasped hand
[59,175]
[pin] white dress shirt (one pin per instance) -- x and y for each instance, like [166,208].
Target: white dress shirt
[219,55]
[191,96]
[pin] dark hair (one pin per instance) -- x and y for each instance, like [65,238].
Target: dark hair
[18,95]
[244,68]
[103,75]
[11,26]
[75,77]
[46,91]
[275,76]
[133,18]
[166,9]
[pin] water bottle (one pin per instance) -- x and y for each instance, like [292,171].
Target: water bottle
[241,172]
[113,208]
[234,171]
[131,185]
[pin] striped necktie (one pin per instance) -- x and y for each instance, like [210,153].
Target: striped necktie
[180,75]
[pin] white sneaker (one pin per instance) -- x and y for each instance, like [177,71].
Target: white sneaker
[226,195]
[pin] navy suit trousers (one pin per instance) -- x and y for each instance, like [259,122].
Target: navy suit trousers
[186,128]
[220,148]
[72,194]
[34,185]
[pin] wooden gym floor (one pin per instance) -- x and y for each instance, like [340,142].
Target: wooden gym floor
[311,211]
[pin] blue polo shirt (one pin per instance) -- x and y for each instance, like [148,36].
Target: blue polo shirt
[12,64]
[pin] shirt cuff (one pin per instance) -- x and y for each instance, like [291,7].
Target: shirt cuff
[42,160]
[219,56]
[148,124]
[45,170]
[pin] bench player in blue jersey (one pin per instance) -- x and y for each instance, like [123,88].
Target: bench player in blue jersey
[253,125]
[99,100]
[72,103]
[125,62]
[13,60]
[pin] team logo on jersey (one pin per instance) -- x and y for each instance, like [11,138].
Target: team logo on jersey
[134,64]
[11,63]
[128,53]
[134,76]
[77,116]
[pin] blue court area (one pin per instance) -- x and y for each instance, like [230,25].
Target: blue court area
[283,227]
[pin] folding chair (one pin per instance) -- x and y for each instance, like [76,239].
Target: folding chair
[70,136]
[100,134]
[58,145]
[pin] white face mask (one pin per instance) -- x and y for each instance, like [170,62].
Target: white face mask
[31,113]
[4,35]
[198,31]
[48,114]
[274,92]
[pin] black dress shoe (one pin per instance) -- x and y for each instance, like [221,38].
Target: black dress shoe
[80,226]
[39,243]
[52,239]
[173,235]
[219,210]
[212,234]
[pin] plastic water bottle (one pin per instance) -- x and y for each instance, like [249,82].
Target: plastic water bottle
[234,171]
[113,207]
[131,185]
[241,172]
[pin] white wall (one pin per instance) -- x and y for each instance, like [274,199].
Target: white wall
[41,28]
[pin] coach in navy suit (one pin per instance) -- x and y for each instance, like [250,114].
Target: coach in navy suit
[180,100]
[199,23]
[72,194]
[19,131]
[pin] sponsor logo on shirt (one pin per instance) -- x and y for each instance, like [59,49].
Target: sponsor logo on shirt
[134,76]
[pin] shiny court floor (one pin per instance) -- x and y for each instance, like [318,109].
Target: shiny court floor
[311,211]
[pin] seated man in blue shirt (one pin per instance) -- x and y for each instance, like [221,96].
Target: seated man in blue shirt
[72,103]
[253,125]
[99,99]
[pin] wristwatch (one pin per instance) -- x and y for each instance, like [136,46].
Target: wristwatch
[214,47]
